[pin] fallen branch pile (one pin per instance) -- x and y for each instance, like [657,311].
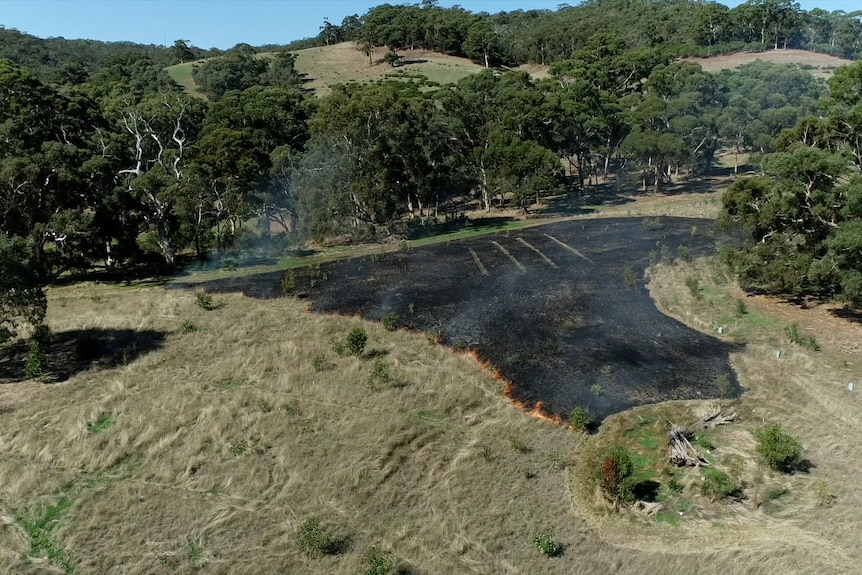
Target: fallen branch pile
[682,452]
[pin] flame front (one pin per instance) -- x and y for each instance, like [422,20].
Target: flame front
[536,409]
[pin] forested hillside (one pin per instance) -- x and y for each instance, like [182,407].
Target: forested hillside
[105,162]
[681,27]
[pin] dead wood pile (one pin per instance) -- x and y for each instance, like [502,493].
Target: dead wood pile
[682,452]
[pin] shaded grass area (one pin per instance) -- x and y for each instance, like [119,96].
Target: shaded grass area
[72,351]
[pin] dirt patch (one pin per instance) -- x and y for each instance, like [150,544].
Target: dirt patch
[559,310]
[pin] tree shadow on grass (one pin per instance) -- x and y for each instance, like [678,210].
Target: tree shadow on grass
[74,351]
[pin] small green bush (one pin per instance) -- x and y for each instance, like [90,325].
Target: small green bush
[379,562]
[684,253]
[188,326]
[630,277]
[693,285]
[37,361]
[546,543]
[741,308]
[356,340]
[288,286]
[314,540]
[794,336]
[379,376]
[319,363]
[204,301]
[391,321]
[653,223]
[487,454]
[239,448]
[579,419]
[674,485]
[718,485]
[780,450]
[103,422]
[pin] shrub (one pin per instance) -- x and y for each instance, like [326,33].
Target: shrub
[379,562]
[319,362]
[188,326]
[614,474]
[717,485]
[579,419]
[314,540]
[487,454]
[674,485]
[741,308]
[379,376]
[694,287]
[630,277]
[794,336]
[547,544]
[204,301]
[653,223]
[37,362]
[390,321]
[684,253]
[356,340]
[780,450]
[288,286]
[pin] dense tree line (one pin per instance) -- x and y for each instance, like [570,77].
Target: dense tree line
[802,217]
[60,61]
[683,27]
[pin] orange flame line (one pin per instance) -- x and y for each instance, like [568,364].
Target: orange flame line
[536,409]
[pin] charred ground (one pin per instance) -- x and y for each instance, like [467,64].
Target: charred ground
[560,310]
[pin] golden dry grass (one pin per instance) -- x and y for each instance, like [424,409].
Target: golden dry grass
[820,65]
[226,438]
[341,63]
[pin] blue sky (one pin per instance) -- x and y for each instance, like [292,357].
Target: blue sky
[224,23]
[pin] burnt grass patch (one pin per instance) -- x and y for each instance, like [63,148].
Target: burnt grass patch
[554,308]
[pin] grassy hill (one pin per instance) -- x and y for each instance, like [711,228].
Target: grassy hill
[343,63]
[820,65]
[182,75]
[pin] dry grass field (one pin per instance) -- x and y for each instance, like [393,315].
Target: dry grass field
[208,453]
[343,63]
[820,65]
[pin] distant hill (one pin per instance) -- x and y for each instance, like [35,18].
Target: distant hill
[820,65]
[341,63]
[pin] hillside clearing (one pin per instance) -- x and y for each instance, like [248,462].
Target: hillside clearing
[182,75]
[342,63]
[820,65]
